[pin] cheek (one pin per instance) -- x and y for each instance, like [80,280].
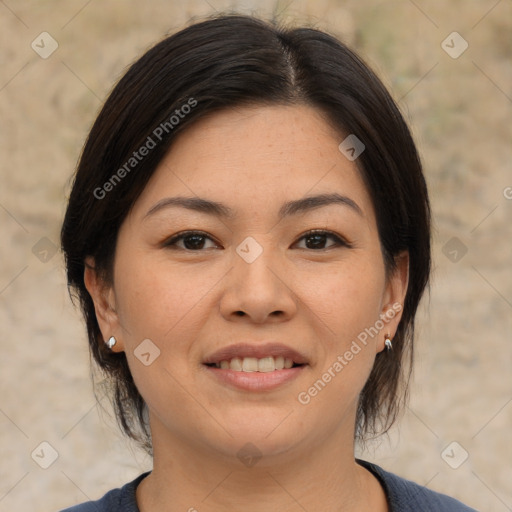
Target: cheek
[348,351]
[347,301]
[160,303]
[156,300]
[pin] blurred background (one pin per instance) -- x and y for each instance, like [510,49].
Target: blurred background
[448,65]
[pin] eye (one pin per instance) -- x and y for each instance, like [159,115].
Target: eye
[316,239]
[192,241]
[197,240]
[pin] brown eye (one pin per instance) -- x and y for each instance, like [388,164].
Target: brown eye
[192,241]
[317,239]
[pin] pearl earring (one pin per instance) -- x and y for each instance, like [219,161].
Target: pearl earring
[387,342]
[111,342]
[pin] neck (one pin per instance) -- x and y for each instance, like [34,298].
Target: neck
[315,477]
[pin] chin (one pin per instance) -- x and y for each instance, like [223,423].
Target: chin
[268,436]
[251,450]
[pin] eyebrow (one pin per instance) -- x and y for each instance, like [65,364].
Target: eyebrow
[217,209]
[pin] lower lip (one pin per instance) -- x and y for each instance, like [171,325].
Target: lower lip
[256,381]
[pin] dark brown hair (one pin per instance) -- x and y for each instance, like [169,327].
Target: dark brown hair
[231,60]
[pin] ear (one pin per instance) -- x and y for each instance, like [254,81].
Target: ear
[394,298]
[103,297]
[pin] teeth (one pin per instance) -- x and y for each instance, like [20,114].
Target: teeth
[267,364]
[250,364]
[253,364]
[236,364]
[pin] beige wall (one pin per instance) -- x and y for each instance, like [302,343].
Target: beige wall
[460,110]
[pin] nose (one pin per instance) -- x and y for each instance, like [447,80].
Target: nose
[259,290]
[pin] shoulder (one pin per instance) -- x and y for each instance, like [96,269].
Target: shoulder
[120,499]
[407,496]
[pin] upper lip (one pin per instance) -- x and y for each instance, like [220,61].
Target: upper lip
[258,351]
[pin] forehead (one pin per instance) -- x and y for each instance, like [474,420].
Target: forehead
[253,158]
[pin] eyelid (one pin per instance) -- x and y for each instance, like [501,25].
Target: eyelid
[340,240]
[170,242]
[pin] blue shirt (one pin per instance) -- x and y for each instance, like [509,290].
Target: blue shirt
[403,496]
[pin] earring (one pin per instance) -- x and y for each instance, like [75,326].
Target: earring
[111,342]
[387,342]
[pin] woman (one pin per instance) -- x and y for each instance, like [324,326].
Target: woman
[249,237]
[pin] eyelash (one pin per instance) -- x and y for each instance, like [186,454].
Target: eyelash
[340,242]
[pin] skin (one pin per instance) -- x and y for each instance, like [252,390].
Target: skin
[315,298]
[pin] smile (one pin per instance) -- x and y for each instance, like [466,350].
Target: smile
[253,364]
[256,366]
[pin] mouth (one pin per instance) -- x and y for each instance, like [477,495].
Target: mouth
[252,364]
[255,367]
[256,357]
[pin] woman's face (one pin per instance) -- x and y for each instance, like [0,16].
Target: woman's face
[252,283]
